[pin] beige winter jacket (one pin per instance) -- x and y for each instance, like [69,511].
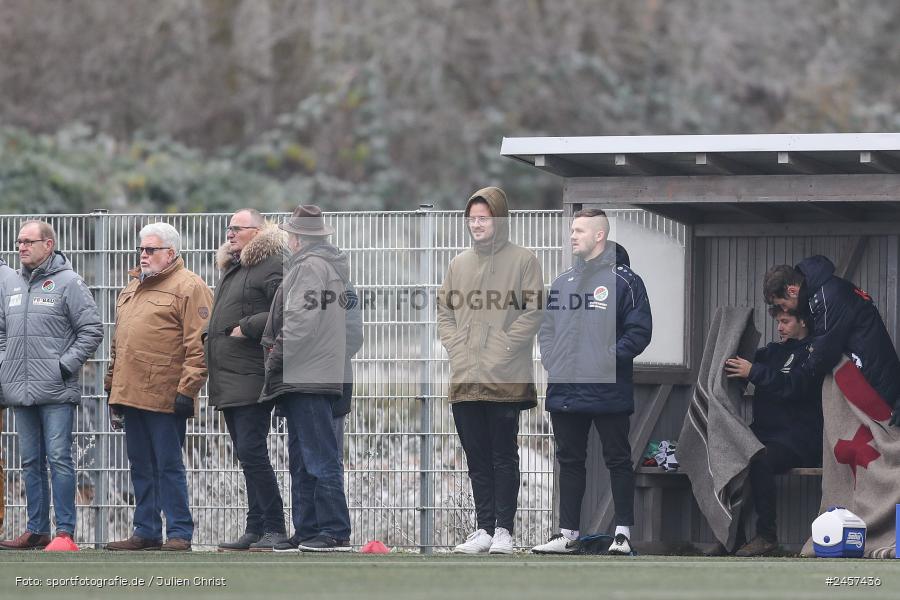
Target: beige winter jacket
[489,313]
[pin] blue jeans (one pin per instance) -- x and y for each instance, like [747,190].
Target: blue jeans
[45,436]
[248,427]
[306,511]
[317,475]
[154,442]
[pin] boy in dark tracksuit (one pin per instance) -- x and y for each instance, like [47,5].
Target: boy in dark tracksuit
[787,418]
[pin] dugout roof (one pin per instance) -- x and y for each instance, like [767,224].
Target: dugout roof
[848,178]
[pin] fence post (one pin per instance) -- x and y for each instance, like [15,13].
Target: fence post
[103,283]
[426,424]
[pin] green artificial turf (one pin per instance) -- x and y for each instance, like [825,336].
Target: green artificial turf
[401,576]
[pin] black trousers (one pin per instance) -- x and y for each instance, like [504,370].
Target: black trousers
[248,427]
[488,432]
[774,460]
[570,431]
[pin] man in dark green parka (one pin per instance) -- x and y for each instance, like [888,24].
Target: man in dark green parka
[250,262]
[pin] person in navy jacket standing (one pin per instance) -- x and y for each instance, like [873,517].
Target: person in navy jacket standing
[597,320]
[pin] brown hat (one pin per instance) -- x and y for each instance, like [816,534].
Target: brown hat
[307,220]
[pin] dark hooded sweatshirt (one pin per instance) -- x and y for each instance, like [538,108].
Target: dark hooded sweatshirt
[306,334]
[489,313]
[846,323]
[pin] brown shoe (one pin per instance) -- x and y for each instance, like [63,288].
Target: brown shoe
[758,546]
[176,545]
[134,543]
[27,541]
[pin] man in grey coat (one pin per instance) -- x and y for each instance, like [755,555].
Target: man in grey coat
[49,326]
[306,340]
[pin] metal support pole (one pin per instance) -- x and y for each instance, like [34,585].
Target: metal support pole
[426,425]
[101,471]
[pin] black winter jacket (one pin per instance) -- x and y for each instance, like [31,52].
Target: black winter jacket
[846,322]
[243,296]
[589,356]
[787,403]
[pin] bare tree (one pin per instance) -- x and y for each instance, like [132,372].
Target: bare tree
[417,95]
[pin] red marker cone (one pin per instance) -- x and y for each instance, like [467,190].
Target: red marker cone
[375,547]
[63,542]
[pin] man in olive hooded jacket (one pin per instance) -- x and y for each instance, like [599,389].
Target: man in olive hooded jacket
[488,315]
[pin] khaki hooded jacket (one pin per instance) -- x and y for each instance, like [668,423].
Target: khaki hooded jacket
[489,312]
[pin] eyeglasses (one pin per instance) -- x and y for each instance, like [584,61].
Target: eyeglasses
[150,250]
[237,229]
[478,220]
[28,243]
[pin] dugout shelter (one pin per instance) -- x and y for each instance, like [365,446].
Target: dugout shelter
[734,205]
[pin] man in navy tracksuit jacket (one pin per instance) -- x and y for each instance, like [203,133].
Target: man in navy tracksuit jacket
[597,320]
[845,322]
[787,418]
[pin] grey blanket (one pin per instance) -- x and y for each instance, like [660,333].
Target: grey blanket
[716,444]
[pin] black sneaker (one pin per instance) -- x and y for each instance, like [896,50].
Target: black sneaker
[268,542]
[288,545]
[324,543]
[242,544]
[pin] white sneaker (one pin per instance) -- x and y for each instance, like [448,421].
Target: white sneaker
[620,546]
[558,544]
[478,542]
[502,542]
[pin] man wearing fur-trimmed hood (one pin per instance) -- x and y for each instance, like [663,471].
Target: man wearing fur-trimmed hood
[250,263]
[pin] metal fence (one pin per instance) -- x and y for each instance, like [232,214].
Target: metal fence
[406,478]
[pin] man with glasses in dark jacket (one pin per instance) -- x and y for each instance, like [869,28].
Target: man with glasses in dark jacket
[250,262]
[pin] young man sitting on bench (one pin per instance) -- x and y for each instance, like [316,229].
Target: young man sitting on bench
[787,419]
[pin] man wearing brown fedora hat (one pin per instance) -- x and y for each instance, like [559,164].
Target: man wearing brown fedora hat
[305,342]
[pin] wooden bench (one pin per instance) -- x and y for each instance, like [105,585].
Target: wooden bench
[653,483]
